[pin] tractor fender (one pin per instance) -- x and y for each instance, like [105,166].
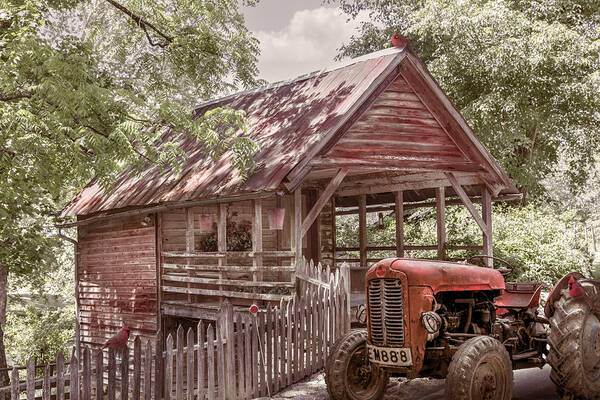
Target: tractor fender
[555,293]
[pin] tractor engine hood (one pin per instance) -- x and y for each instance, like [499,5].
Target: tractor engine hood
[440,276]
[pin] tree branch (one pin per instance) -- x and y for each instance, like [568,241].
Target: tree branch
[145,25]
[104,135]
[14,96]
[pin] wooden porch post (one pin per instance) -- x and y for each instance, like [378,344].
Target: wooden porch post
[362,228]
[257,242]
[222,239]
[333,233]
[189,242]
[486,207]
[399,211]
[440,202]
[298,226]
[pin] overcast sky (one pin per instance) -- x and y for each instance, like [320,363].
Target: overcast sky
[297,36]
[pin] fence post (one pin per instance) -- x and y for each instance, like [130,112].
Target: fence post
[345,272]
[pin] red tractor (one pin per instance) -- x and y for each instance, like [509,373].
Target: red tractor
[466,324]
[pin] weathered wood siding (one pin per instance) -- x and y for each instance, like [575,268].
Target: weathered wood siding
[399,131]
[117,278]
[174,238]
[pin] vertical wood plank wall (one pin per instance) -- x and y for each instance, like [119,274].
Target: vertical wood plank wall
[117,278]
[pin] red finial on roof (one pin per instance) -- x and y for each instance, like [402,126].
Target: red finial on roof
[399,41]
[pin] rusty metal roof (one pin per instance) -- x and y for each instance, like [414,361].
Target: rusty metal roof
[290,121]
[285,119]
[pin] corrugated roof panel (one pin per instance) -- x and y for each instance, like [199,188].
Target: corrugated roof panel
[285,120]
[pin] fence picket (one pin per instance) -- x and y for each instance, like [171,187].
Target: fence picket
[248,358]
[179,364]
[261,355]
[269,346]
[201,359]
[99,375]
[220,363]
[289,352]
[230,387]
[169,368]
[304,343]
[14,384]
[321,328]
[74,379]
[210,357]
[46,385]
[298,312]
[137,368]
[282,335]
[239,355]
[112,374]
[190,364]
[87,375]
[159,366]
[125,373]
[148,372]
[255,356]
[31,379]
[276,318]
[244,356]
[315,336]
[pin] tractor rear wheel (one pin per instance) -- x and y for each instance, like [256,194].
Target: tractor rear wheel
[480,370]
[574,341]
[349,374]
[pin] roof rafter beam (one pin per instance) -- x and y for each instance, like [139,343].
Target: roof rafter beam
[467,201]
[414,185]
[329,190]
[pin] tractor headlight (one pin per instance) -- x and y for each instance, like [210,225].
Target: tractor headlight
[432,322]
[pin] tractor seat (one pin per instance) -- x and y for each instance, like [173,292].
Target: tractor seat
[519,295]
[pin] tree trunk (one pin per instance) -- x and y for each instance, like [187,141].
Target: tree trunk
[4,380]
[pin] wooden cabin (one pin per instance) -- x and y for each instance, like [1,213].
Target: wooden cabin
[376,133]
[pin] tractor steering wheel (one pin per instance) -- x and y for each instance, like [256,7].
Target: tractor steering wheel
[504,271]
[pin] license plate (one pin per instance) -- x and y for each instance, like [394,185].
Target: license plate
[394,356]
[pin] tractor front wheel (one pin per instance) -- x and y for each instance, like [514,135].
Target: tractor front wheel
[575,345]
[349,374]
[480,370]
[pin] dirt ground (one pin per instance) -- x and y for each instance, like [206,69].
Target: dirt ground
[314,388]
[530,384]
